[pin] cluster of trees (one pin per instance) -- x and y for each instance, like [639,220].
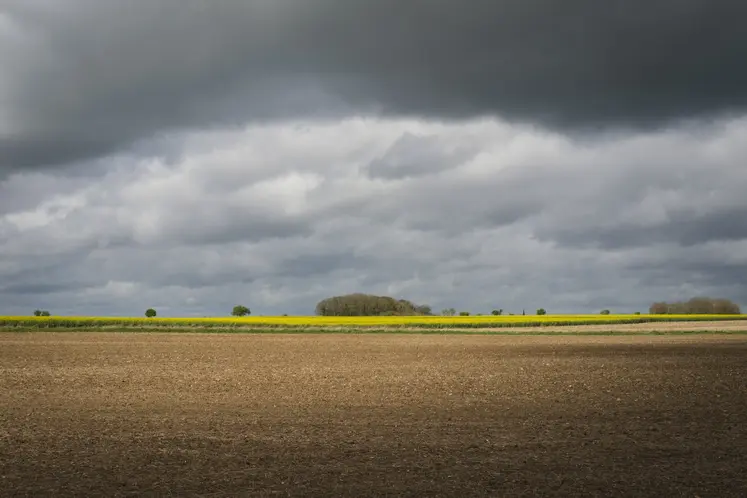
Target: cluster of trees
[41,313]
[696,306]
[369,305]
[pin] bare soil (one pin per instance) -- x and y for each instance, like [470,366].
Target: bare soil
[704,326]
[120,414]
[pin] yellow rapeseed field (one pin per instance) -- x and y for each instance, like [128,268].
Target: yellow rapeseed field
[281,322]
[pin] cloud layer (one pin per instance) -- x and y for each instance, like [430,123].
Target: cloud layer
[280,216]
[88,78]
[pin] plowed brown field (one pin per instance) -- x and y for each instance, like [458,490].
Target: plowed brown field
[118,414]
[734,326]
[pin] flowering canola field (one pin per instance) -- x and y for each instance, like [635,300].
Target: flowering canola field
[368,322]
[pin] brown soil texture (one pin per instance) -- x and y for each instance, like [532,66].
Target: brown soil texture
[733,326]
[120,414]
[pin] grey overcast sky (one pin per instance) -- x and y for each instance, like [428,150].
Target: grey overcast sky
[193,155]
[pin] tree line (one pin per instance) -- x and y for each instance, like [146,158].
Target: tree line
[360,304]
[696,306]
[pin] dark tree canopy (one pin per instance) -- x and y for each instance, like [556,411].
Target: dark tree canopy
[369,305]
[696,306]
[240,310]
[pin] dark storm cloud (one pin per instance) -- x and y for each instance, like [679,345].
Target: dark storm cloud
[226,230]
[307,265]
[83,78]
[39,288]
[683,227]
[678,276]
[708,270]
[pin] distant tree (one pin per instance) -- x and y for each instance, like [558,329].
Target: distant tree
[497,312]
[45,313]
[37,313]
[658,309]
[448,312]
[240,310]
[464,313]
[424,309]
[150,312]
[637,313]
[541,311]
[725,307]
[605,312]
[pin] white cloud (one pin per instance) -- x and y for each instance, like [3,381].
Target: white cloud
[279,216]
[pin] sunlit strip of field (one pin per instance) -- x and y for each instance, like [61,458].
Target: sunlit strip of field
[287,322]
